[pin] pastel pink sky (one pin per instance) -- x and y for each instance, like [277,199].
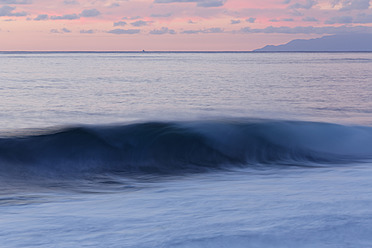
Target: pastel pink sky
[161,25]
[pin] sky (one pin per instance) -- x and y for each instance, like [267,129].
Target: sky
[174,25]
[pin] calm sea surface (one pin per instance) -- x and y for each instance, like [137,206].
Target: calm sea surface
[185,149]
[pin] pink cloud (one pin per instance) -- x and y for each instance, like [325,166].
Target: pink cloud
[222,22]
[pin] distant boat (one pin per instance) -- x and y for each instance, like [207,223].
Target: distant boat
[143,51]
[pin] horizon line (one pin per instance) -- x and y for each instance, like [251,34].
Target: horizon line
[181,51]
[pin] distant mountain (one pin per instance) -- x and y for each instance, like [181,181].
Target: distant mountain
[332,43]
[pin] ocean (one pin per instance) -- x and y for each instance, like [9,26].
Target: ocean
[185,149]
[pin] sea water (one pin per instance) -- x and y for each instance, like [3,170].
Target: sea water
[185,149]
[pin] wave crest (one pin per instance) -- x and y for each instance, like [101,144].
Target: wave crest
[172,147]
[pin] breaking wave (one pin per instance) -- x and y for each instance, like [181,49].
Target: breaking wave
[178,147]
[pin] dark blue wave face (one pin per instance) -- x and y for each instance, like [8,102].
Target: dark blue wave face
[183,147]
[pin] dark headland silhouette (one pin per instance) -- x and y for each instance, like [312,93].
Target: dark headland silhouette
[331,43]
